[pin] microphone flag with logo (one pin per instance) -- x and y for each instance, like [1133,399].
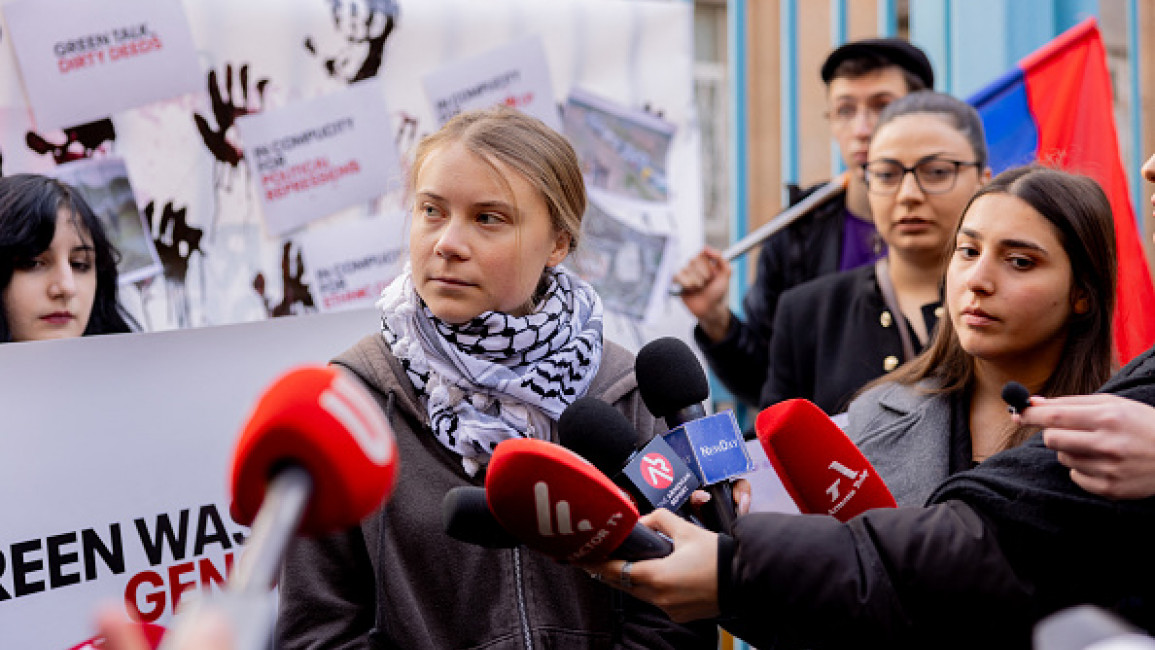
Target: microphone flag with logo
[655,476]
[558,504]
[821,468]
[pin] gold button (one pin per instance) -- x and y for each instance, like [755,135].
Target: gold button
[939,311]
[885,319]
[890,363]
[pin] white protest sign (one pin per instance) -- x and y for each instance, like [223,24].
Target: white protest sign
[350,263]
[319,156]
[515,75]
[115,466]
[83,60]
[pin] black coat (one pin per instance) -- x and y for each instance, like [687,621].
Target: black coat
[997,548]
[808,248]
[833,335]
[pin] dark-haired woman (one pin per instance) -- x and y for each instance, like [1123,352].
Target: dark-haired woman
[1030,289]
[57,268]
[839,332]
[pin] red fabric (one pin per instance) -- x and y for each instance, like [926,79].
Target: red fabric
[1069,92]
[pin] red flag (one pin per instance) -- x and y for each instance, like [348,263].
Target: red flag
[1069,93]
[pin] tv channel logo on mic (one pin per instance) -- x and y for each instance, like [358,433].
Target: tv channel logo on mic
[663,482]
[713,447]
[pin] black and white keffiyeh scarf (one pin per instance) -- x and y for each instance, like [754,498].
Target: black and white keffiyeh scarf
[496,376]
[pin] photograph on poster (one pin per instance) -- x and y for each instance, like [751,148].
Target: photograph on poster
[515,75]
[104,184]
[627,264]
[622,151]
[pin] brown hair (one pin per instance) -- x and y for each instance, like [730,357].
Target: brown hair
[526,145]
[1079,210]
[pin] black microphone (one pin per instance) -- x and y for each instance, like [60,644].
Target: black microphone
[655,476]
[466,517]
[1017,397]
[673,386]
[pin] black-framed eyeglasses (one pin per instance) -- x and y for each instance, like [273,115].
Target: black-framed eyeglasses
[933,175]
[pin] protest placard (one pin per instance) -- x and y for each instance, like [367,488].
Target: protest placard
[82,61]
[316,157]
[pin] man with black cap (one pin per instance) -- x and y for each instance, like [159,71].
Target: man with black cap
[861,78]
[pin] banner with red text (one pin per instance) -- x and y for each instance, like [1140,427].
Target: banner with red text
[113,478]
[351,262]
[83,60]
[516,74]
[315,157]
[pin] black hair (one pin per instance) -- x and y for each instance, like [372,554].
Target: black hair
[29,206]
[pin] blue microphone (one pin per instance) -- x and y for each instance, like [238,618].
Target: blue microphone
[673,386]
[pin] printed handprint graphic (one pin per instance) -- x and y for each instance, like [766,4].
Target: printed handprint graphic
[295,299]
[79,141]
[226,110]
[364,26]
[175,242]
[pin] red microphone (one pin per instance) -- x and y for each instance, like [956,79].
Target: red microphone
[821,469]
[315,456]
[321,420]
[558,504]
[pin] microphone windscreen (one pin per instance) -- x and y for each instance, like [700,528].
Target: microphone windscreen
[555,502]
[821,469]
[322,420]
[466,517]
[597,432]
[670,378]
[1016,396]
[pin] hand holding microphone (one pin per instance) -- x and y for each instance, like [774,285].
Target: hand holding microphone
[684,584]
[1107,441]
[315,456]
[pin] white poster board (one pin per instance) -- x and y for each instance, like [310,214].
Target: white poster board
[351,262]
[114,472]
[315,157]
[186,155]
[515,75]
[82,60]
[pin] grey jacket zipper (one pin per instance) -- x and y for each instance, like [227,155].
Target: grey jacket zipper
[522,614]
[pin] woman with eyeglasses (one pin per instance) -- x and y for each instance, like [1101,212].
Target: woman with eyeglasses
[835,334]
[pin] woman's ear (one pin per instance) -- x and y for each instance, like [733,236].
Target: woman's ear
[1081,304]
[985,177]
[560,250]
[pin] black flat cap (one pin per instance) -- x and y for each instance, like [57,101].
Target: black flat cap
[896,50]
